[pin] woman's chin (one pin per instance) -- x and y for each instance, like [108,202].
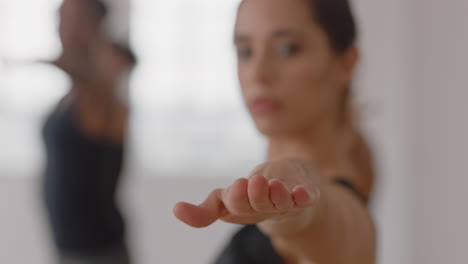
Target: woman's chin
[271,129]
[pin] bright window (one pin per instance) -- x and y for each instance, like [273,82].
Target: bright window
[188,119]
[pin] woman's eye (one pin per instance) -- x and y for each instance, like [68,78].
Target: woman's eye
[288,50]
[244,53]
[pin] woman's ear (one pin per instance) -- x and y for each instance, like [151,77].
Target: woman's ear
[349,60]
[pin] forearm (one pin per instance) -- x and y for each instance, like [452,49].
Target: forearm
[338,230]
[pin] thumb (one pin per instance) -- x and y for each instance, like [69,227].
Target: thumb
[201,215]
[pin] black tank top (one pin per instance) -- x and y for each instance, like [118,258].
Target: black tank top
[249,246]
[80,184]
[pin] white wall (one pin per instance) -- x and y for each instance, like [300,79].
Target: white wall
[439,133]
[383,86]
[416,73]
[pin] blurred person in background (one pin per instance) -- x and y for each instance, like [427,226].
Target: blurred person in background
[85,138]
[308,202]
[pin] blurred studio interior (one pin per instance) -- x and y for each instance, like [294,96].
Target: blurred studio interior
[187,130]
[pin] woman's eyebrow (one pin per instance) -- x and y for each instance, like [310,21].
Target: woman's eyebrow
[280,33]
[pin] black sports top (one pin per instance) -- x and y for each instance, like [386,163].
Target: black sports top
[79,185]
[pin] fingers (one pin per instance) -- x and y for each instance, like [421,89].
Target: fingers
[256,195]
[259,194]
[236,197]
[303,199]
[202,215]
[280,196]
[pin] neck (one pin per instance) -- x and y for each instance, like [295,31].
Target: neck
[318,145]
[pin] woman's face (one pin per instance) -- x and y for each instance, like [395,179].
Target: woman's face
[291,79]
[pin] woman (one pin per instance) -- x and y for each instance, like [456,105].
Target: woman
[85,138]
[308,202]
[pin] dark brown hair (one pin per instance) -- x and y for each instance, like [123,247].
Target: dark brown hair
[98,8]
[126,51]
[337,20]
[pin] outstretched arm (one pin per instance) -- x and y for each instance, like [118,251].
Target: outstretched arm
[310,219]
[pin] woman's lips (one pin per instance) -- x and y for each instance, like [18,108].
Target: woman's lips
[264,106]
